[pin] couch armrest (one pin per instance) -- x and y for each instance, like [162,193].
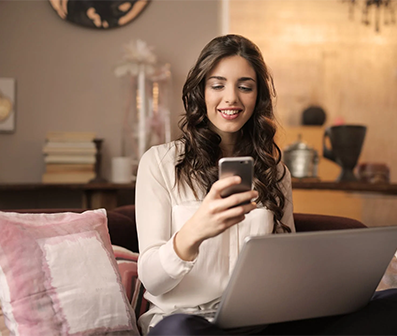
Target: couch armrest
[313,222]
[122,227]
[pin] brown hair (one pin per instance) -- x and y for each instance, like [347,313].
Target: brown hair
[197,164]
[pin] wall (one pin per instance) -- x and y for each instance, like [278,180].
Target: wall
[319,55]
[64,73]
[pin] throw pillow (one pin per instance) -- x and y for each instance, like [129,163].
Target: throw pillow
[58,276]
[128,268]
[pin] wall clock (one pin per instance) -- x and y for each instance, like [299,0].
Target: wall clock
[100,14]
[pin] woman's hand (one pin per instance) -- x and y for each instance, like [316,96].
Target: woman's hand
[215,215]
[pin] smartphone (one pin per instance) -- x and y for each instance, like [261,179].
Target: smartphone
[242,166]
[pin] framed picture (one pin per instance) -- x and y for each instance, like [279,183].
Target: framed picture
[7,104]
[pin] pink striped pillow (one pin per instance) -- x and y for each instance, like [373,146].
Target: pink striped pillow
[58,275]
[128,266]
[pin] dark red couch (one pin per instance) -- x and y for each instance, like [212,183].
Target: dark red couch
[123,231]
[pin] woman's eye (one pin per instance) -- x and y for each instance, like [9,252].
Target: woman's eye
[217,87]
[245,88]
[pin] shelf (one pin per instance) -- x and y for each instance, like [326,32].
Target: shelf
[382,188]
[70,186]
[98,195]
[94,195]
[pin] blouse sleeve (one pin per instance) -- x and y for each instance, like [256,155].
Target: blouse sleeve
[286,187]
[159,267]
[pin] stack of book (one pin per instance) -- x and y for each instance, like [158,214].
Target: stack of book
[69,157]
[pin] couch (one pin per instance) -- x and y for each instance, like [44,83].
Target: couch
[123,237]
[122,227]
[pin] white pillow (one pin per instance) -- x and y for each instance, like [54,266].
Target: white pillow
[58,276]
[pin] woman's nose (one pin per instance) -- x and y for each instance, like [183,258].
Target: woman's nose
[231,96]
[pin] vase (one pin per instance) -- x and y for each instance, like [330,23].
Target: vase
[346,144]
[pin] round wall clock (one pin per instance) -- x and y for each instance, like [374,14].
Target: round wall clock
[100,14]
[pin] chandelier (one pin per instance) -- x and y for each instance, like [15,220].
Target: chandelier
[374,10]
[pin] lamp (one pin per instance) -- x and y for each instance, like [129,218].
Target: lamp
[380,8]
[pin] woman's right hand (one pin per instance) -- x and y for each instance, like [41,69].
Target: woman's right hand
[215,215]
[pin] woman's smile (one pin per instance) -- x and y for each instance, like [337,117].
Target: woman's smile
[230,113]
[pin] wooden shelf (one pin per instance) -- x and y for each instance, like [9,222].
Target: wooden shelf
[382,188]
[94,195]
[71,186]
[104,195]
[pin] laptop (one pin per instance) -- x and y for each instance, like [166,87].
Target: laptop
[286,277]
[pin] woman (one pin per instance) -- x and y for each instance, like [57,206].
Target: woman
[189,236]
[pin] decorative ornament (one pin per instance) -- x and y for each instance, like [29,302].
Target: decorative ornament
[136,53]
[99,14]
[146,120]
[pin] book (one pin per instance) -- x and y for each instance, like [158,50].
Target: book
[69,167]
[53,158]
[82,177]
[70,136]
[69,150]
[69,144]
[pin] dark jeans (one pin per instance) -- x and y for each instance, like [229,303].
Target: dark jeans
[379,317]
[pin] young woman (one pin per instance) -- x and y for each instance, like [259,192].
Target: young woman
[189,236]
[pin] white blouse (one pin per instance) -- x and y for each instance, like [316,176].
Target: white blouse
[172,284]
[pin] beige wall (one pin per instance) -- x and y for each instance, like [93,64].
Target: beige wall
[64,73]
[320,56]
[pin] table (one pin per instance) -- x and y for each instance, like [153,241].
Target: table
[93,195]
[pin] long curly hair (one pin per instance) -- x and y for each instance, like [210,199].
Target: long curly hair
[197,164]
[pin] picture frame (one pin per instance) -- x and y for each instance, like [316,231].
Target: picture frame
[7,105]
